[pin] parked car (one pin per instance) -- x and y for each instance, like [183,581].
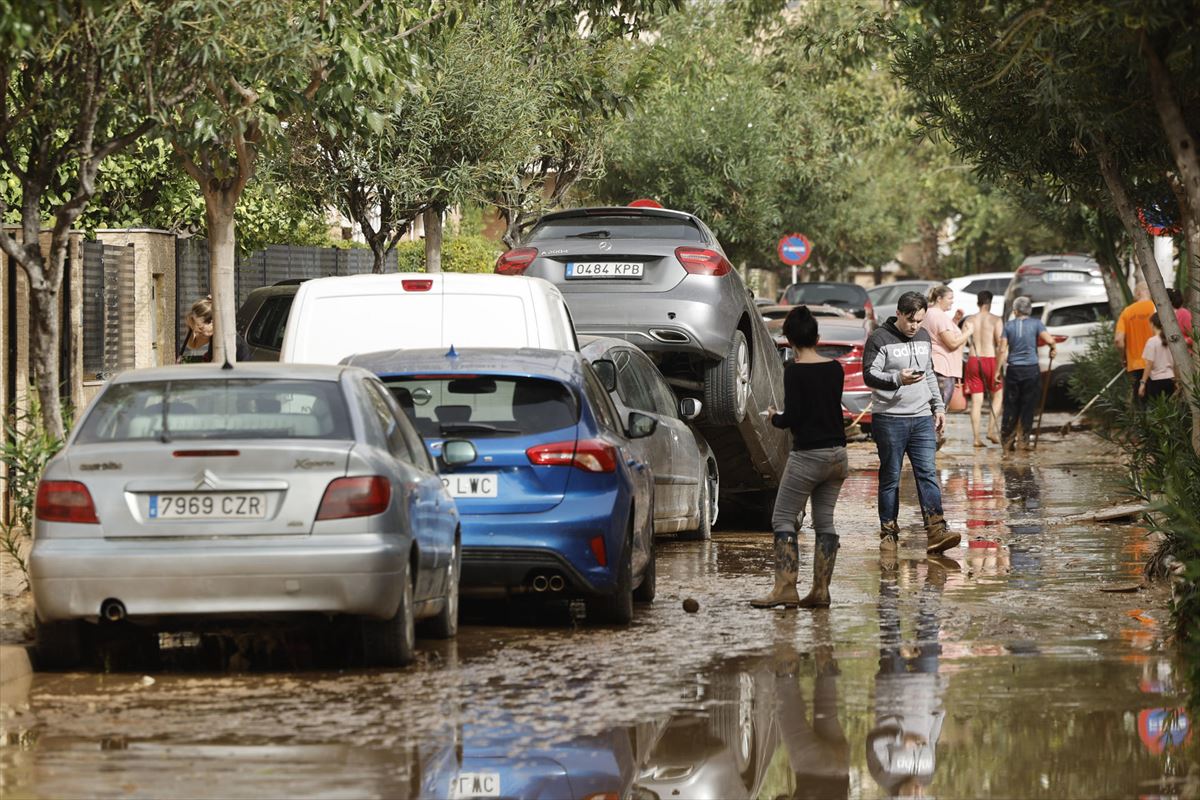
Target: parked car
[845,341]
[849,296]
[1073,322]
[777,312]
[557,501]
[660,280]
[885,296]
[332,318]
[195,495]
[263,318]
[967,289]
[686,486]
[1043,278]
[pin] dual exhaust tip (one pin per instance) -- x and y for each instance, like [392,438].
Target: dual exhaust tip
[553,583]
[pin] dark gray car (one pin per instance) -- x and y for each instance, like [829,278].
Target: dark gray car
[1042,278]
[660,280]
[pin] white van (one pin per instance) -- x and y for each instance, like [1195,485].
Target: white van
[332,318]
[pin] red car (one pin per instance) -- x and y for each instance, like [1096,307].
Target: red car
[845,340]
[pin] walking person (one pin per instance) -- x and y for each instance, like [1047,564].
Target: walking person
[948,342]
[1182,314]
[1158,377]
[816,467]
[1132,332]
[979,376]
[907,413]
[1022,376]
[197,345]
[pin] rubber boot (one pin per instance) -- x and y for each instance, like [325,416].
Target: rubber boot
[787,569]
[939,538]
[823,560]
[889,537]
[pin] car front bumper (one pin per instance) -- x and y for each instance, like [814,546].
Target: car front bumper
[335,574]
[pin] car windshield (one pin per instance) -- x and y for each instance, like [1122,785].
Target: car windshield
[218,409]
[616,226]
[483,405]
[841,296]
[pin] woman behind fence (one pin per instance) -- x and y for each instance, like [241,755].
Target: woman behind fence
[816,468]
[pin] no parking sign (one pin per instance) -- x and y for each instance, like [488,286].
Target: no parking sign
[794,249]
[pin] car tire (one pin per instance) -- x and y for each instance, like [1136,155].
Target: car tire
[392,642]
[708,496]
[445,624]
[617,608]
[647,589]
[727,384]
[59,645]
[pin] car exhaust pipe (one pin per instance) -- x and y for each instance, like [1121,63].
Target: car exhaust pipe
[540,583]
[112,610]
[557,583]
[670,336]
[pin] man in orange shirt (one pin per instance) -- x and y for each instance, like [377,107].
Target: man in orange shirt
[1133,331]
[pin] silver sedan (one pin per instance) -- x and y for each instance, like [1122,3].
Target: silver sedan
[194,496]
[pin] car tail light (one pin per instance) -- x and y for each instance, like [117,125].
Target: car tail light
[700,261]
[589,455]
[869,310]
[417,285]
[1025,269]
[1058,339]
[65,501]
[854,356]
[355,497]
[515,262]
[599,551]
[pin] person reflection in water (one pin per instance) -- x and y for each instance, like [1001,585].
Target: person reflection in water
[902,745]
[817,750]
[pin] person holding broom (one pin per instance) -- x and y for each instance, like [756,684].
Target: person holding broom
[1022,378]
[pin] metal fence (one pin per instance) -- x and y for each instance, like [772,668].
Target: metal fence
[264,268]
[109,315]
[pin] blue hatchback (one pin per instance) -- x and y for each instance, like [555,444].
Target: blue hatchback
[556,503]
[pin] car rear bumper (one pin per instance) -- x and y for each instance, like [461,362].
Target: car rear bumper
[347,574]
[659,322]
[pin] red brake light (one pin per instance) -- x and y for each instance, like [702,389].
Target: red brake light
[355,497]
[65,501]
[854,356]
[1025,269]
[416,285]
[515,262]
[589,455]
[700,261]
[645,202]
[205,453]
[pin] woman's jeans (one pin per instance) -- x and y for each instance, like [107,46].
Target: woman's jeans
[816,474]
[1022,389]
[894,437]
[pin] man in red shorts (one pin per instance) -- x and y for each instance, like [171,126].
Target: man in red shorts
[979,377]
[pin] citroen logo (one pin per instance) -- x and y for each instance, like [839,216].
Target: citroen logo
[605,245]
[207,479]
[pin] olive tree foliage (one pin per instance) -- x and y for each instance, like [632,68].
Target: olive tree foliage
[82,80]
[1101,98]
[266,65]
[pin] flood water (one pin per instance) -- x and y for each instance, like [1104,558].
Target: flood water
[998,672]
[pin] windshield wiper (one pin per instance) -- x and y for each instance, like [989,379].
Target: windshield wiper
[589,235]
[474,427]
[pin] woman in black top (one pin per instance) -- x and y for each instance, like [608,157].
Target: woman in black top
[816,468]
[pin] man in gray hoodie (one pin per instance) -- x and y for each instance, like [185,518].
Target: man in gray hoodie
[906,414]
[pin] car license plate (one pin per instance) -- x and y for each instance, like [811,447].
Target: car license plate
[605,269]
[475,784]
[473,484]
[1065,277]
[208,505]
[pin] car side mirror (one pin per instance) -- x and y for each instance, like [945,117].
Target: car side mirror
[606,370]
[458,453]
[641,425]
[690,408]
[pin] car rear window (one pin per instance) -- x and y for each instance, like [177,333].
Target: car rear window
[218,409]
[839,295]
[1079,315]
[616,226]
[483,405]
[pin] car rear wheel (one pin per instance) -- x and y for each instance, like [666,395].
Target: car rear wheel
[59,644]
[706,511]
[727,384]
[445,624]
[393,642]
[617,608]
[646,590]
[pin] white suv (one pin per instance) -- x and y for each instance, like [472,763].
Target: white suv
[1072,321]
[967,289]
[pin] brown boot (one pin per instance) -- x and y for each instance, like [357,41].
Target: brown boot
[823,560]
[938,537]
[787,569]
[889,537]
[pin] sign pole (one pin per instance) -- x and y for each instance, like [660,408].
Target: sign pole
[794,273]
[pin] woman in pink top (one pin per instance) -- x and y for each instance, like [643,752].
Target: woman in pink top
[1158,378]
[948,340]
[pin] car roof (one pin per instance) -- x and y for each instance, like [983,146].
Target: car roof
[841,330]
[528,362]
[367,282]
[249,370]
[980,275]
[1074,300]
[1067,260]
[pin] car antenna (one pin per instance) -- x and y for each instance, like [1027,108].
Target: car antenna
[452,353]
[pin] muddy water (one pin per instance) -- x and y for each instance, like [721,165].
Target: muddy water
[1000,672]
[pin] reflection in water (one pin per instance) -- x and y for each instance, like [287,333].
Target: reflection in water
[902,745]
[1024,494]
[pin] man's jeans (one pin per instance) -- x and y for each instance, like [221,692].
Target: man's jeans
[1022,389]
[895,437]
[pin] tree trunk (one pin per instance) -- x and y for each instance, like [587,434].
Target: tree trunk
[927,266]
[433,239]
[44,349]
[378,254]
[1144,254]
[219,206]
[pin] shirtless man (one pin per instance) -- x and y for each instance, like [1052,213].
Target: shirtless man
[979,377]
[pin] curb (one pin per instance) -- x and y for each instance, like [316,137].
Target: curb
[15,664]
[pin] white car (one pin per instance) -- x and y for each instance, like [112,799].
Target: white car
[967,289]
[332,318]
[1072,321]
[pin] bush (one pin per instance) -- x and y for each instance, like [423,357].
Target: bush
[27,449]
[459,254]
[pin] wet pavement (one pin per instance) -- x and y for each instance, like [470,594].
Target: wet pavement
[1002,671]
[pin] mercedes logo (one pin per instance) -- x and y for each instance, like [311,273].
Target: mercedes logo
[605,245]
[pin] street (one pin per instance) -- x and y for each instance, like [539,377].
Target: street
[1001,671]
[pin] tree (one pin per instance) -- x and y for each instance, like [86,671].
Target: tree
[82,81]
